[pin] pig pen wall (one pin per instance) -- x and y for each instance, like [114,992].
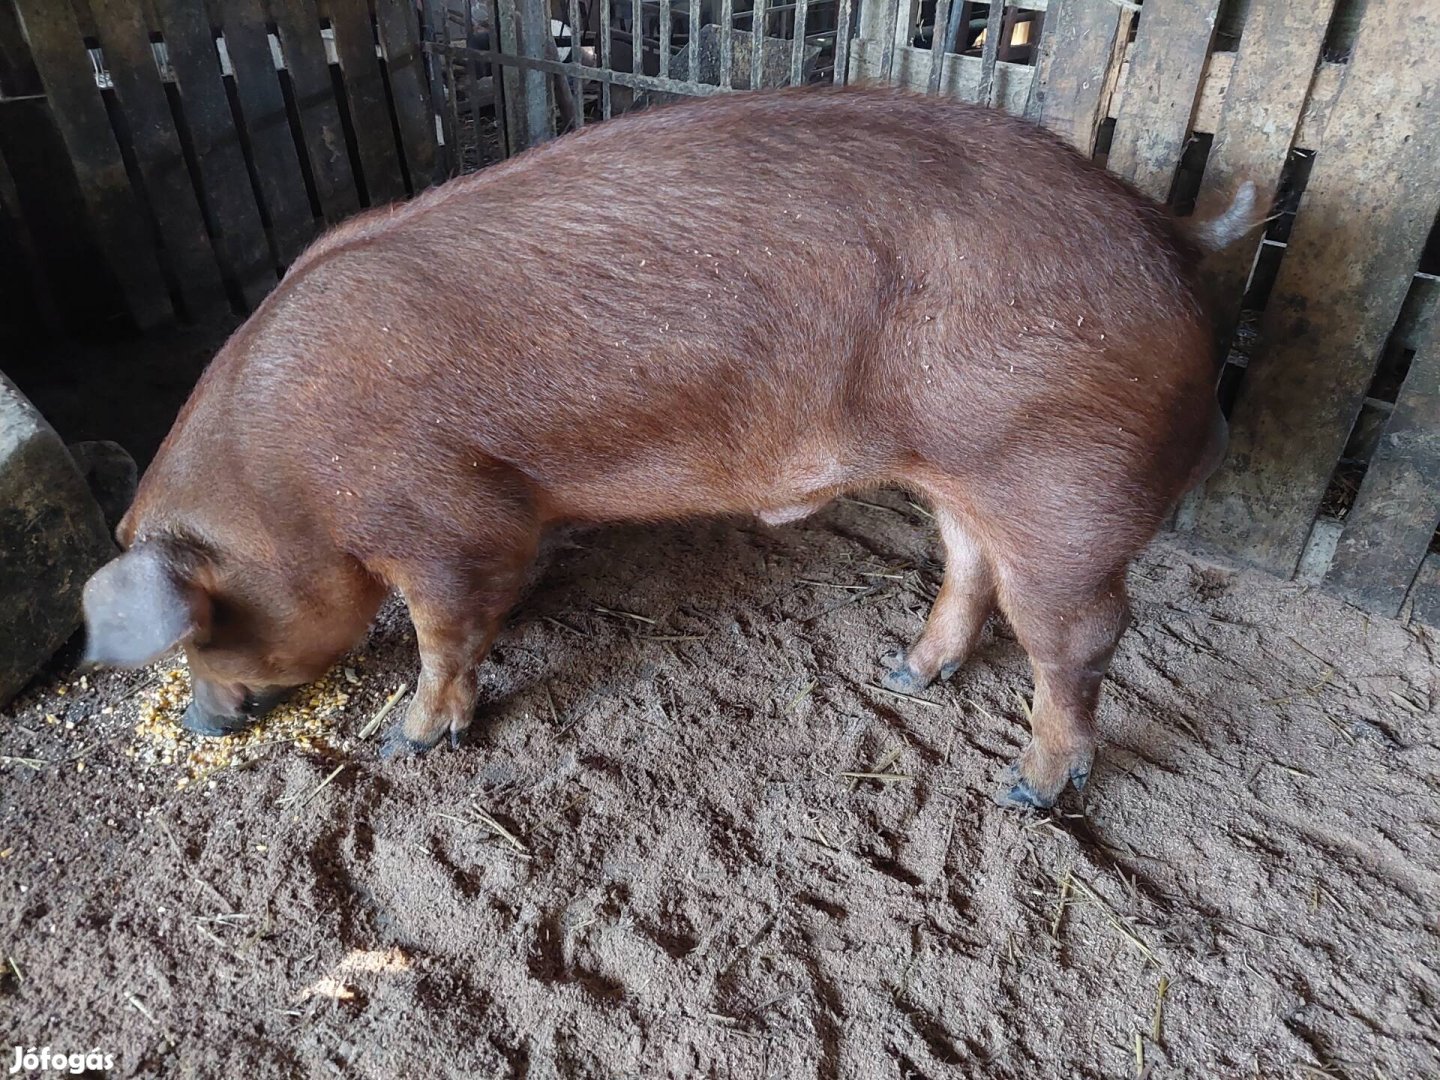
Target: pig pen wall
[163,161]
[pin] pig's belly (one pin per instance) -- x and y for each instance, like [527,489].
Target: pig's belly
[775,489]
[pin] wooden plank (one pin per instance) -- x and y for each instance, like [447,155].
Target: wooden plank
[185,242]
[298,25]
[1166,65]
[405,68]
[1370,202]
[1425,593]
[115,213]
[1323,92]
[240,241]
[1078,47]
[267,126]
[959,75]
[18,77]
[1389,529]
[1279,51]
[365,93]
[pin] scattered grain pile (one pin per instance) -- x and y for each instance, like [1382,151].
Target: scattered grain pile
[310,721]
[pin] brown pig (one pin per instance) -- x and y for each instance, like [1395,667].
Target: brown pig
[781,297]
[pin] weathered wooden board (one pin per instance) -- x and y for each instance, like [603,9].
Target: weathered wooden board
[115,214]
[18,77]
[185,242]
[1389,529]
[267,125]
[1077,49]
[1371,199]
[240,241]
[405,67]
[1273,72]
[298,25]
[365,92]
[1167,62]
[1425,593]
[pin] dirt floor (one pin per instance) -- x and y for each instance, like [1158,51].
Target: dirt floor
[649,859]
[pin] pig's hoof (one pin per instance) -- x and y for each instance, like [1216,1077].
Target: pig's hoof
[213,727]
[396,744]
[901,678]
[1017,792]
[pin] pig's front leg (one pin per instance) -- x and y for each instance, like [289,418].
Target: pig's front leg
[455,622]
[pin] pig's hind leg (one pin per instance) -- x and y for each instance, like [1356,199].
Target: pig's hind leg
[457,609]
[966,598]
[1069,625]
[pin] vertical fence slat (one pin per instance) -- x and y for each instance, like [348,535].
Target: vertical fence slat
[843,16]
[1279,50]
[692,45]
[1369,204]
[727,42]
[369,111]
[405,67]
[757,45]
[1167,63]
[1076,52]
[79,112]
[939,33]
[298,24]
[1389,529]
[797,54]
[240,240]
[577,36]
[666,19]
[605,56]
[125,41]
[262,108]
[538,43]
[990,54]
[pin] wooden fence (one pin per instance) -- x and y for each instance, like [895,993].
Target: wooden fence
[208,141]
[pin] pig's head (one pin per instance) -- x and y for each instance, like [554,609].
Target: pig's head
[251,628]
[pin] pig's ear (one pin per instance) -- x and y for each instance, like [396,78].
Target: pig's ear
[139,607]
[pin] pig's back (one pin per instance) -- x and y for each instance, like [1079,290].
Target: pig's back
[730,287]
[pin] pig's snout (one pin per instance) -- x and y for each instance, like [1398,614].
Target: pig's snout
[220,710]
